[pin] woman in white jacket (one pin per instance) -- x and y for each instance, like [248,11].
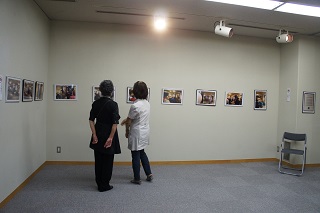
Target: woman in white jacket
[138,131]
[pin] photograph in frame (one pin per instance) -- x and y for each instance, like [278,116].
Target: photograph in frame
[27,90]
[172,96]
[234,99]
[130,96]
[260,99]
[1,80]
[13,89]
[65,92]
[38,91]
[308,102]
[96,94]
[206,97]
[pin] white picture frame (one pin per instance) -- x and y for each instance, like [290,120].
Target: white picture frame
[13,89]
[172,96]
[65,92]
[234,99]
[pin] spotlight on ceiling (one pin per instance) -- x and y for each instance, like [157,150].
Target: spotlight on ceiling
[222,30]
[284,37]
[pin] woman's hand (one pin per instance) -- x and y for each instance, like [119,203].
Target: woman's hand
[94,139]
[108,143]
[124,122]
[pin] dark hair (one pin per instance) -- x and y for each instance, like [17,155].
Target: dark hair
[106,87]
[140,90]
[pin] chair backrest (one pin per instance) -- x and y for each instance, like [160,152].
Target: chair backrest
[295,137]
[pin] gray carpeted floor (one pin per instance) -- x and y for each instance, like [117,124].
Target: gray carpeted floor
[247,187]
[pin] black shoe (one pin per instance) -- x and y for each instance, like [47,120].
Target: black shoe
[150,178]
[136,181]
[105,188]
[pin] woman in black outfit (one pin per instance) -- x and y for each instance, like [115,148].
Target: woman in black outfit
[105,140]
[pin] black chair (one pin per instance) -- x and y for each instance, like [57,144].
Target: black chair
[293,139]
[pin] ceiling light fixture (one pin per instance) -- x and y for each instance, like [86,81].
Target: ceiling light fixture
[284,37]
[160,23]
[262,4]
[222,30]
[299,9]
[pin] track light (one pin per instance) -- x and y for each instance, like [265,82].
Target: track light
[284,37]
[222,30]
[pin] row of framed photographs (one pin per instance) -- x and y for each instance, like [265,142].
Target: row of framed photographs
[34,91]
[172,96]
[209,98]
[17,88]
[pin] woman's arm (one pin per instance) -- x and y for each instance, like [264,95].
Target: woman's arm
[127,122]
[109,140]
[93,130]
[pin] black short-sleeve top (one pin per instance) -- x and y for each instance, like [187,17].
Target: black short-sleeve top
[106,113]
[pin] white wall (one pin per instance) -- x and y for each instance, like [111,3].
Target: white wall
[309,76]
[300,72]
[86,53]
[24,39]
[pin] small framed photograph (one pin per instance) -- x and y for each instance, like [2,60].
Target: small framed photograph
[65,92]
[96,94]
[27,94]
[206,97]
[172,96]
[130,96]
[1,80]
[38,92]
[260,99]
[13,89]
[234,99]
[308,102]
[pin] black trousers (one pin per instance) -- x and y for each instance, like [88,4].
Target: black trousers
[103,169]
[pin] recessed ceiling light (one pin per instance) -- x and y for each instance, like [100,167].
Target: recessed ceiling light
[262,4]
[160,23]
[299,9]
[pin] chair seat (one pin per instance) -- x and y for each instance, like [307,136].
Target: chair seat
[293,151]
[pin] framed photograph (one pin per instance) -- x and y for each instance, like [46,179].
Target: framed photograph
[96,94]
[260,99]
[206,97]
[234,99]
[38,92]
[172,96]
[308,102]
[130,95]
[27,94]
[13,89]
[1,80]
[65,92]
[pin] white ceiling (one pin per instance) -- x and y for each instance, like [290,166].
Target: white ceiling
[196,15]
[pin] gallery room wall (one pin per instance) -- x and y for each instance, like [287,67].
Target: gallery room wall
[86,53]
[300,72]
[24,48]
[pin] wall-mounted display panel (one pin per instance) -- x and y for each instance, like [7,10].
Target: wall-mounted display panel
[206,97]
[38,92]
[260,99]
[13,89]
[65,92]
[234,99]
[27,94]
[172,96]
